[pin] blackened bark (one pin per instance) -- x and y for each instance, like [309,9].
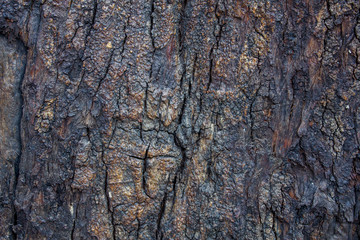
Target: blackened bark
[178,119]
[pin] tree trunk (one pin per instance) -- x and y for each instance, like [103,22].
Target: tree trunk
[176,119]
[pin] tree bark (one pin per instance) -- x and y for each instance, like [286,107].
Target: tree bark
[176,119]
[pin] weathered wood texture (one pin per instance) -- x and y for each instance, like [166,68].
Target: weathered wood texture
[168,119]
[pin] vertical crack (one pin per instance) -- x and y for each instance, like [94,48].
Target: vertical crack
[125,38]
[174,193]
[138,228]
[210,69]
[183,155]
[74,221]
[217,34]
[144,169]
[145,165]
[182,166]
[161,214]
[24,51]
[94,13]
[152,9]
[93,18]
[152,23]
[144,113]
[181,23]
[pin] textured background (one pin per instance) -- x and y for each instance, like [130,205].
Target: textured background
[168,119]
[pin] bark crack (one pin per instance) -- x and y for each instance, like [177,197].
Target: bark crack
[145,165]
[19,138]
[160,216]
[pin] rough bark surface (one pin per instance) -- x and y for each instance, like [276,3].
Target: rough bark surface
[176,119]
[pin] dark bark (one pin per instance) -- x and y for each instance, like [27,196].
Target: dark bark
[179,119]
